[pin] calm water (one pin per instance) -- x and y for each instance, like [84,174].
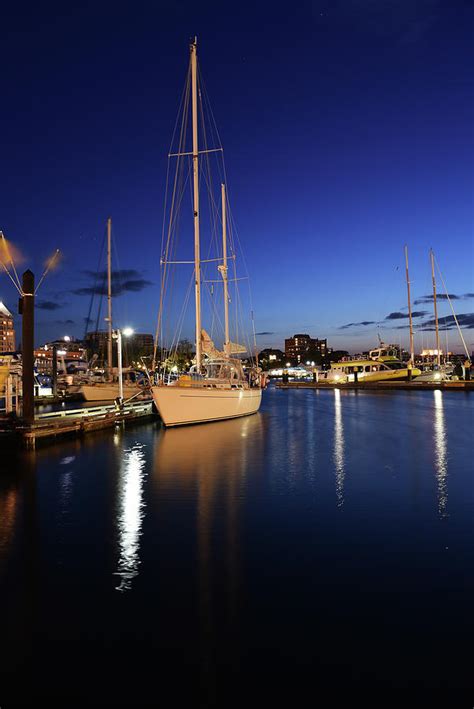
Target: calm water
[323,544]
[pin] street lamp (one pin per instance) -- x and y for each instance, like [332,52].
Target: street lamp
[127,331]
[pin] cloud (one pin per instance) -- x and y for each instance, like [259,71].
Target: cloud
[64,322]
[356,324]
[439,296]
[465,320]
[264,333]
[126,280]
[400,316]
[120,274]
[48,305]
[468,295]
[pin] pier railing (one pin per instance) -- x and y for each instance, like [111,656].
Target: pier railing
[136,407]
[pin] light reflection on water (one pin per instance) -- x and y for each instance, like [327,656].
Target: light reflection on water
[130,514]
[441,456]
[338,448]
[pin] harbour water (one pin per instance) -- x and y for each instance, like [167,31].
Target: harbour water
[325,543]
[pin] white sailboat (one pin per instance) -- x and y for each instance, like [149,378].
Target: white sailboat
[217,386]
[110,389]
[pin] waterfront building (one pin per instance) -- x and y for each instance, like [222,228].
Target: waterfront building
[302,347]
[134,346]
[7,330]
[270,357]
[68,349]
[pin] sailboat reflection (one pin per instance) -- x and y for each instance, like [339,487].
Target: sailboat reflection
[339,448]
[441,457]
[212,464]
[130,514]
[208,451]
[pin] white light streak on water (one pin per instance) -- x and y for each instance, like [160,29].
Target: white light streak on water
[441,456]
[338,455]
[130,514]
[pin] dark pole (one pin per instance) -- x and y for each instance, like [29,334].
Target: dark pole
[55,370]
[27,337]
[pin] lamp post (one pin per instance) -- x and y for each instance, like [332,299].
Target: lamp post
[118,334]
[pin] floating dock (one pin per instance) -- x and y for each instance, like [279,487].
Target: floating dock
[74,421]
[381,386]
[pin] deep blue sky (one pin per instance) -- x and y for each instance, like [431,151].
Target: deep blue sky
[347,128]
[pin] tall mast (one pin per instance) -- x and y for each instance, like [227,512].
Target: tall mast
[435,307]
[412,348]
[109,298]
[197,259]
[223,270]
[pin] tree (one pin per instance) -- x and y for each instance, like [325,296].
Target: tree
[180,357]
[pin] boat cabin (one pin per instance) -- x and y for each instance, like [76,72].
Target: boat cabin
[385,368]
[216,373]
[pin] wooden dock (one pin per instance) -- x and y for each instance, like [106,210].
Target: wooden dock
[381,386]
[76,421]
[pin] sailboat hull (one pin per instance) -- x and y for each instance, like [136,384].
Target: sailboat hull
[107,392]
[181,406]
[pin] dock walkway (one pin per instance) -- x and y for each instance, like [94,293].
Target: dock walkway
[75,421]
[381,386]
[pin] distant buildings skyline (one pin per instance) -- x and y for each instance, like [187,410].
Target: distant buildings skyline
[302,347]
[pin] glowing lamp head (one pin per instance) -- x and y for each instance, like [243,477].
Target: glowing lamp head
[127,331]
[67,338]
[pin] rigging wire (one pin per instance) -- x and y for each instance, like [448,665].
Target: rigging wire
[94,288]
[177,183]
[452,309]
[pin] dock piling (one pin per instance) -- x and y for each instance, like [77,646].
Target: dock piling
[27,311]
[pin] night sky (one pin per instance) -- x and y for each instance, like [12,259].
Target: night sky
[348,132]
